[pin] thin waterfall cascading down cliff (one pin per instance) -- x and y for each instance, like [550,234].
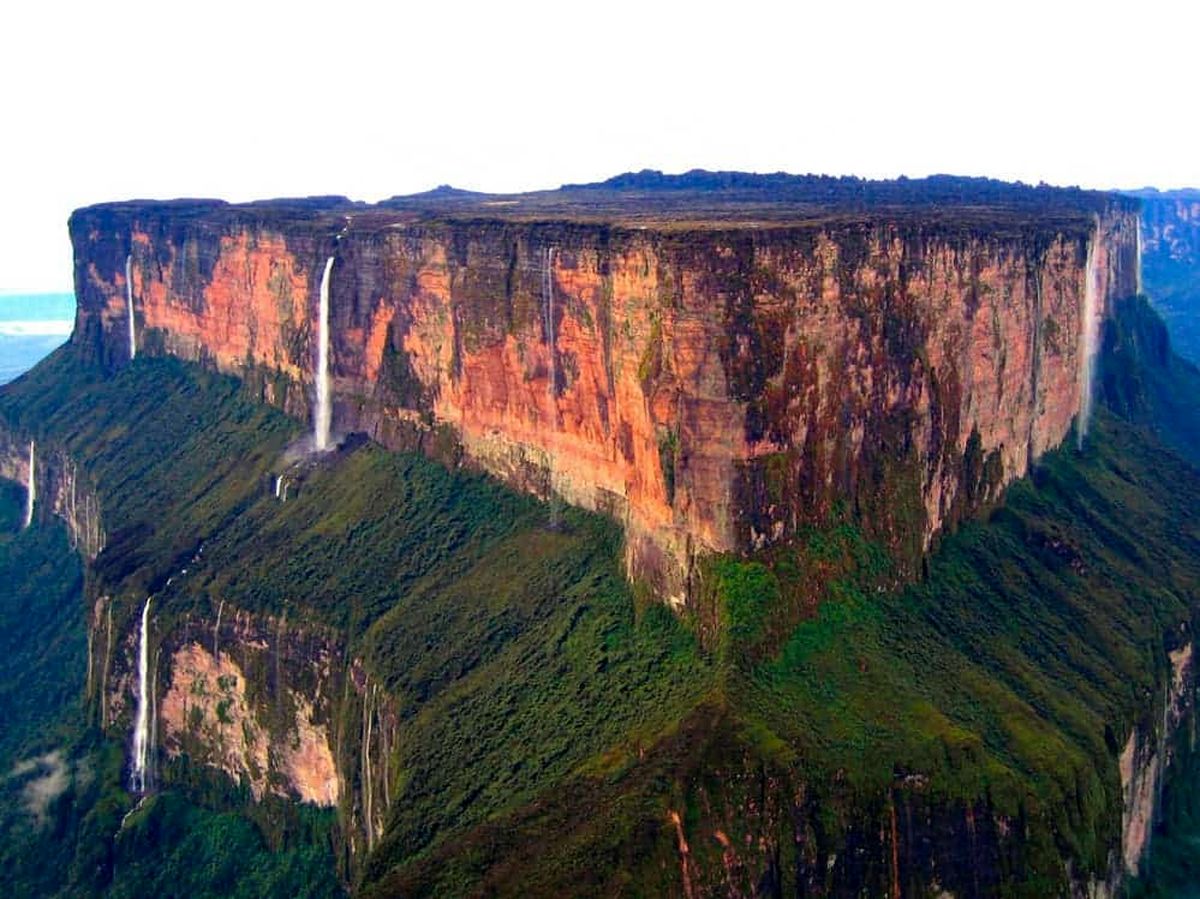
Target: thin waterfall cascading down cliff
[141,729]
[322,415]
[217,632]
[1089,333]
[31,491]
[129,307]
[1138,259]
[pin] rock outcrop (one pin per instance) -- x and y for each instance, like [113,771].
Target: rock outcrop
[715,372]
[272,705]
[61,490]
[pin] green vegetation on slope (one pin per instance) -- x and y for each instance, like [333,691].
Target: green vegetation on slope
[553,740]
[1143,381]
[133,435]
[513,652]
[1000,684]
[42,639]
[991,698]
[1175,286]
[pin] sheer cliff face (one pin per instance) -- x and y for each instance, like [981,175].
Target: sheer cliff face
[62,490]
[1171,226]
[1171,253]
[714,388]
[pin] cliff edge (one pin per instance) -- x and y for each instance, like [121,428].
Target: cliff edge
[714,359]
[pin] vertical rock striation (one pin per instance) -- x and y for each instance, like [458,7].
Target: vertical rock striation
[1171,248]
[714,382]
[61,491]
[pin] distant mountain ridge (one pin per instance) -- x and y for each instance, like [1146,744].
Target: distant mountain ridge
[1171,262]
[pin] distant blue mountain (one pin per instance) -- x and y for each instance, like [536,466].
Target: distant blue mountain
[31,327]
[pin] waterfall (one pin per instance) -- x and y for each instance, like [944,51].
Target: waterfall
[129,306]
[322,415]
[31,493]
[1089,334]
[278,485]
[217,633]
[1138,260]
[141,731]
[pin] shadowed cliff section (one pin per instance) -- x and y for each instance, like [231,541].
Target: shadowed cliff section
[1171,263]
[1143,381]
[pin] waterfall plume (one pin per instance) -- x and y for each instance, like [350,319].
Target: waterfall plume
[129,306]
[1138,259]
[322,415]
[217,632]
[141,731]
[31,493]
[1088,337]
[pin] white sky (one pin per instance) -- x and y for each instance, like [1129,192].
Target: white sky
[246,100]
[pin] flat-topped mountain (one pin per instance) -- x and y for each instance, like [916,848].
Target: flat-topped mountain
[700,199]
[712,358]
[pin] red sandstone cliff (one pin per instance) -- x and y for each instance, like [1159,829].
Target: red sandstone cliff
[715,382]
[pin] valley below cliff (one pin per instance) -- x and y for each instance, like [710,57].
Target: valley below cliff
[697,559]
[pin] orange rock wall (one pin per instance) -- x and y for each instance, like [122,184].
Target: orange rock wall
[714,390]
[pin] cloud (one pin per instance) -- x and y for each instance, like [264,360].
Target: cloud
[39,792]
[36,328]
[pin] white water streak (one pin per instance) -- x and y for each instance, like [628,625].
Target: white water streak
[31,492]
[322,416]
[141,731]
[1089,335]
[154,710]
[1138,226]
[129,307]
[217,632]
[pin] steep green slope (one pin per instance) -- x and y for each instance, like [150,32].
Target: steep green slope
[42,651]
[1175,287]
[514,653]
[994,690]
[42,638]
[997,689]
[832,731]
[77,839]
[1144,382]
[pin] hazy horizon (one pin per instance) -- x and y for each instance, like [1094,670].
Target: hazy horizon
[32,325]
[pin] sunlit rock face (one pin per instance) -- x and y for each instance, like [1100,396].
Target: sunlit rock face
[243,694]
[714,382]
